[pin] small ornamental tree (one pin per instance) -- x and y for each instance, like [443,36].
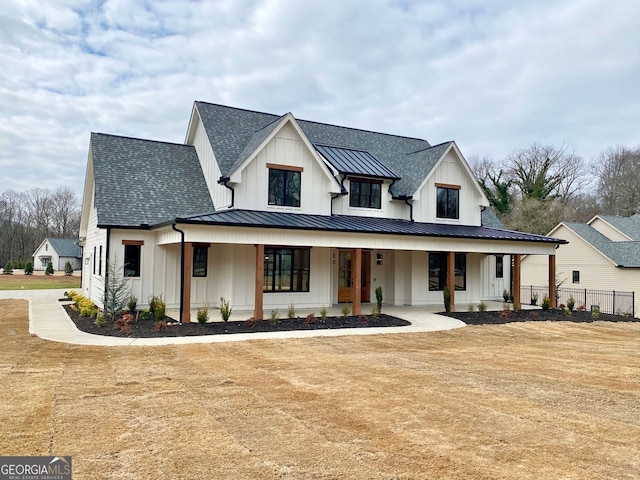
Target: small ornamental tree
[49,270]
[116,291]
[8,268]
[28,268]
[68,269]
[379,300]
[447,299]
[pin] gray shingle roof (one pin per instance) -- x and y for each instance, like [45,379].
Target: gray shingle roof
[65,247]
[348,223]
[490,219]
[630,226]
[230,130]
[146,182]
[623,254]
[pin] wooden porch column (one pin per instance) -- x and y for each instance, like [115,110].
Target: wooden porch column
[356,307]
[516,281]
[258,312]
[187,263]
[451,278]
[552,280]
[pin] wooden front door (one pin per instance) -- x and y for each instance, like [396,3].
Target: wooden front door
[345,276]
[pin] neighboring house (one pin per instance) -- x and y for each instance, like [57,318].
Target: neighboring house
[602,254]
[268,210]
[57,251]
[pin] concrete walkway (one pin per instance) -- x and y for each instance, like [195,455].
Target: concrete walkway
[48,320]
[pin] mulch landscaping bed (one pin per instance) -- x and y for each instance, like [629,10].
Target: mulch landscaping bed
[147,328]
[553,315]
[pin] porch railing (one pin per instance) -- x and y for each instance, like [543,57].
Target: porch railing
[608,301]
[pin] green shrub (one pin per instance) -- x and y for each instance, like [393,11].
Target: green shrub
[132,304]
[28,268]
[49,270]
[274,317]
[8,268]
[567,311]
[346,310]
[160,312]
[291,311]
[570,302]
[68,269]
[595,313]
[546,302]
[101,321]
[145,314]
[534,299]
[471,307]
[379,299]
[154,302]
[446,294]
[482,307]
[225,309]
[323,314]
[203,314]
[374,311]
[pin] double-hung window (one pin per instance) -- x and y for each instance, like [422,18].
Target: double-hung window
[447,201]
[438,271]
[365,193]
[286,269]
[284,185]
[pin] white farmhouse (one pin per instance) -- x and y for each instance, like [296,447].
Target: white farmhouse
[268,210]
[57,251]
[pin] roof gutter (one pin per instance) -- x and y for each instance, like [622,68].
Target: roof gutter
[181,232]
[407,199]
[225,182]
[343,191]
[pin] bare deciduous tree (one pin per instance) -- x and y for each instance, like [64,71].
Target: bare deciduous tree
[618,172]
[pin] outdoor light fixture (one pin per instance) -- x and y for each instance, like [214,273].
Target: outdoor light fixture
[378,259]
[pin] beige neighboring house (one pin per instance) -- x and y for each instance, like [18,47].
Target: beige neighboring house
[57,251]
[270,210]
[602,254]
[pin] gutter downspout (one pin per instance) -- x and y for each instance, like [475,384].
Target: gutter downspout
[225,182]
[106,264]
[407,199]
[181,232]
[342,192]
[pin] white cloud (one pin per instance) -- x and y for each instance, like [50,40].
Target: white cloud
[493,76]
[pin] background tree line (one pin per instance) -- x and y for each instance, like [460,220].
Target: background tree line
[534,189]
[27,218]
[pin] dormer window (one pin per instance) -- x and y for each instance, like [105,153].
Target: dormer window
[448,201]
[284,185]
[365,193]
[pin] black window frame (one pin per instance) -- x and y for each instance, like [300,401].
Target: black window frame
[200,261]
[499,266]
[132,260]
[575,276]
[361,193]
[446,198]
[437,274]
[287,270]
[100,261]
[279,182]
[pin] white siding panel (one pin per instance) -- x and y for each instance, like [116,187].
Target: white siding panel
[608,231]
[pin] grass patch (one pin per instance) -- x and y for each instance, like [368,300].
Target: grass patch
[19,281]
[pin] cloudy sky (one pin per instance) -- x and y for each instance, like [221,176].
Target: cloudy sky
[493,75]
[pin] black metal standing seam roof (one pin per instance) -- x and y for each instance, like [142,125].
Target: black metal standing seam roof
[146,182]
[368,225]
[355,162]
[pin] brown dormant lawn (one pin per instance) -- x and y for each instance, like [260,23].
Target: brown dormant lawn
[518,401]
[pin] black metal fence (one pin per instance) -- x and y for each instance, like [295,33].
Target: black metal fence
[607,301]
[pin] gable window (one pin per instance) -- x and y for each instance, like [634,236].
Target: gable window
[499,266]
[365,193]
[132,250]
[576,276]
[200,256]
[286,269]
[447,201]
[438,271]
[284,185]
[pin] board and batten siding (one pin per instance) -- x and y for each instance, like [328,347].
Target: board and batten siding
[388,208]
[449,172]
[219,193]
[285,148]
[93,283]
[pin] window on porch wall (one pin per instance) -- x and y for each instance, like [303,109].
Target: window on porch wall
[438,271]
[286,269]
